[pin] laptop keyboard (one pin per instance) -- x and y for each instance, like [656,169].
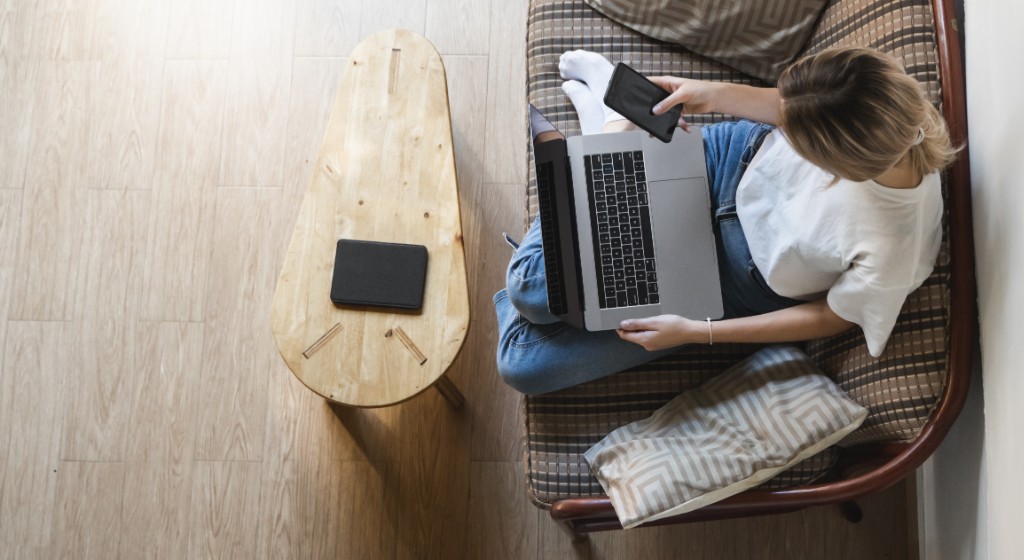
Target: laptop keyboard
[549,231]
[621,221]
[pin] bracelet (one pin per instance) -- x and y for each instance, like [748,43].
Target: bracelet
[711,334]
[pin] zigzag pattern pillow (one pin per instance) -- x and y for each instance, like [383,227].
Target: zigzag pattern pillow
[757,38]
[739,429]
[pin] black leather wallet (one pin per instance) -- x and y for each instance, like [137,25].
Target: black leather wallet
[379,274]
[633,96]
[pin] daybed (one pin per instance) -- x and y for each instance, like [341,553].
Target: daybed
[914,391]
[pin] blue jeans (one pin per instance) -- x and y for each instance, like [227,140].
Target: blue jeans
[538,353]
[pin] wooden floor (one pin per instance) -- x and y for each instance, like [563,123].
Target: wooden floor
[152,158]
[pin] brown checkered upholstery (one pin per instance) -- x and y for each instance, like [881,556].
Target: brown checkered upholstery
[900,389]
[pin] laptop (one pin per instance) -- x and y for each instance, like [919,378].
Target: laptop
[626,228]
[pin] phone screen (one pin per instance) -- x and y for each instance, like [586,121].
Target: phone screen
[633,96]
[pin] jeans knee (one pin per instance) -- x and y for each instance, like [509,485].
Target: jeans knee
[529,296]
[523,376]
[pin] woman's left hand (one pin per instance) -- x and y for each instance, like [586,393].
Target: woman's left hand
[657,333]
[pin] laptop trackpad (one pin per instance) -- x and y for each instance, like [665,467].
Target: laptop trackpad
[685,247]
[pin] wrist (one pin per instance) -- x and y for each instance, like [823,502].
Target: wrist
[727,97]
[695,331]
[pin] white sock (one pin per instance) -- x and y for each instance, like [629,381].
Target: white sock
[592,69]
[588,106]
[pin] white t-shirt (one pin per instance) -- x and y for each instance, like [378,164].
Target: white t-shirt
[862,245]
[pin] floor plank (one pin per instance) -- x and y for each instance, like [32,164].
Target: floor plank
[101,382]
[199,29]
[505,139]
[431,480]
[497,425]
[164,406]
[88,509]
[32,393]
[17,89]
[505,527]
[126,131]
[156,512]
[10,228]
[459,26]
[255,120]
[225,508]
[238,349]
[103,341]
[68,29]
[328,27]
[401,14]
[263,29]
[50,255]
[184,189]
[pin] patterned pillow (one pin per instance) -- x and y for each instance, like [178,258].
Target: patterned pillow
[741,428]
[757,38]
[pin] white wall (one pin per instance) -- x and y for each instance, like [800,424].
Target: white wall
[955,525]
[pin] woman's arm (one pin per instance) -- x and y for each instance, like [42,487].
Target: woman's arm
[747,102]
[802,322]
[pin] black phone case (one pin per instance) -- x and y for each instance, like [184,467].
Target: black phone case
[633,96]
[379,274]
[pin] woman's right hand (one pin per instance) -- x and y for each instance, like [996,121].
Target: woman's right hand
[696,94]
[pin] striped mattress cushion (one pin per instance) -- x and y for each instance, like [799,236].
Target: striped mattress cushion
[900,389]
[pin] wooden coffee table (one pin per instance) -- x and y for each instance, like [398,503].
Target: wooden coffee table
[385,172]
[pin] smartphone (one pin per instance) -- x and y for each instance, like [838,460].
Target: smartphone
[633,96]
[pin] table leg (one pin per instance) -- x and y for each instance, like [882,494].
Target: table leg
[449,391]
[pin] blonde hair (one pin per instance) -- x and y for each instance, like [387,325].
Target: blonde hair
[856,113]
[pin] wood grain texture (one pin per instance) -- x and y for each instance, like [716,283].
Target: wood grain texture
[100,29]
[62,134]
[505,140]
[101,380]
[255,120]
[10,228]
[459,26]
[156,513]
[87,523]
[50,252]
[32,397]
[263,29]
[329,27]
[125,133]
[198,29]
[17,85]
[238,352]
[164,406]
[430,480]
[129,30]
[114,246]
[103,340]
[395,184]
[503,528]
[225,508]
[396,14]
[184,191]
[16,25]
[491,209]
[467,97]
[50,256]
[68,29]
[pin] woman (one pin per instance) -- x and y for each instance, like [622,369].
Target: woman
[823,224]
